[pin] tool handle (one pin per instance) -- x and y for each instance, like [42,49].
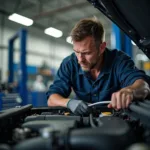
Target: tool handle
[99,103]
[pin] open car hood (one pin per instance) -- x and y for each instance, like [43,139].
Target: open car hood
[131,16]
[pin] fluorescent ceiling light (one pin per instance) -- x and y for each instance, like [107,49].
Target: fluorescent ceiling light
[20,19]
[53,32]
[142,57]
[133,43]
[69,40]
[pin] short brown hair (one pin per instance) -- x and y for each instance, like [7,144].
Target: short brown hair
[88,27]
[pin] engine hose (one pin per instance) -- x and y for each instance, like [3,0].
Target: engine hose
[92,123]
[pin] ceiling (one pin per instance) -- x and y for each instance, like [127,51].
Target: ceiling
[61,14]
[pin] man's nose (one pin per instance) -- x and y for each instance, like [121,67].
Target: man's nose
[80,57]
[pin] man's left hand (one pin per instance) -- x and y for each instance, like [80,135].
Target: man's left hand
[121,99]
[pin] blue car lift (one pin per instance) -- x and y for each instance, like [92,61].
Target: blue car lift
[122,41]
[22,83]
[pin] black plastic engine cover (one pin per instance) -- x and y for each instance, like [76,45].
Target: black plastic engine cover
[113,133]
[52,117]
[56,125]
[113,125]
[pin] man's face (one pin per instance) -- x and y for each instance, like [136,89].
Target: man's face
[87,53]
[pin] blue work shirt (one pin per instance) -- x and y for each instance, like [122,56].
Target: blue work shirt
[118,72]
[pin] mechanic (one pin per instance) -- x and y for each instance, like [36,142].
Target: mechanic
[96,73]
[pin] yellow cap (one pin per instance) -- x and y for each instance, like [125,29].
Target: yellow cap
[106,113]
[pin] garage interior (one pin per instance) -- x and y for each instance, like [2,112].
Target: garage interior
[44,52]
[28,54]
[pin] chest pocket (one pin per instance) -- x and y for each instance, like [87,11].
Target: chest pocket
[106,95]
[85,96]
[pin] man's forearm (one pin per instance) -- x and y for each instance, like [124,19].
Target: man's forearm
[57,100]
[140,89]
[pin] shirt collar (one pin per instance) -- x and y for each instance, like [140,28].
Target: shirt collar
[107,63]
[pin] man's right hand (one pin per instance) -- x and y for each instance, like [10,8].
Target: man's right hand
[78,107]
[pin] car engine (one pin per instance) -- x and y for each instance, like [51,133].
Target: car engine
[46,128]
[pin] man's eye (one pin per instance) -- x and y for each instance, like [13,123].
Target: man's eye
[87,53]
[83,53]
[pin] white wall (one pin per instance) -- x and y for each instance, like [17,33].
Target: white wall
[40,47]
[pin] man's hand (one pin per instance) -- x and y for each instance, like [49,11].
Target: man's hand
[78,107]
[121,99]
[139,90]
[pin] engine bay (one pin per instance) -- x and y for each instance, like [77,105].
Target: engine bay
[48,128]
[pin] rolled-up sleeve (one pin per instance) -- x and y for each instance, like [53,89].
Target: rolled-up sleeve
[127,72]
[62,82]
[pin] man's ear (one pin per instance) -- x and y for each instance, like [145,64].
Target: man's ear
[102,47]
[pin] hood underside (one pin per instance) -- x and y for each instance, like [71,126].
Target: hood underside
[132,16]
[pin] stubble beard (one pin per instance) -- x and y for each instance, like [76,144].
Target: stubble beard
[91,65]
